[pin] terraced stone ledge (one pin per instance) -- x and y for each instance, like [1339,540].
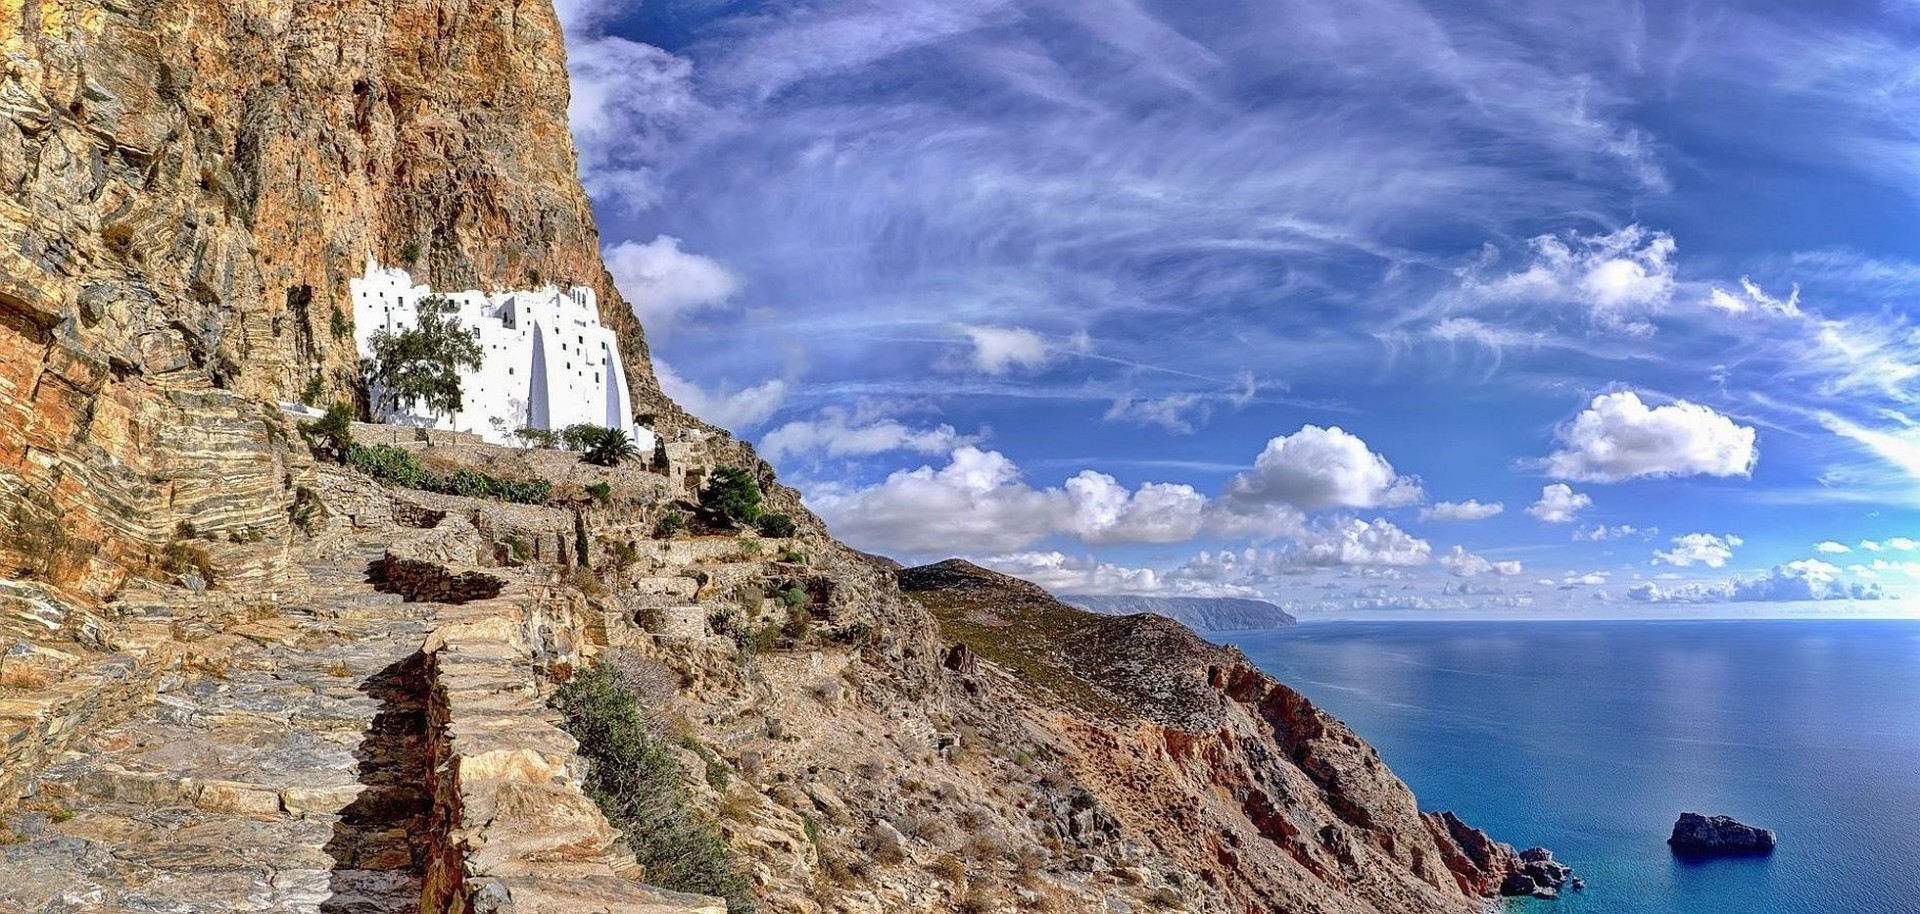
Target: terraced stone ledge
[37,726]
[511,829]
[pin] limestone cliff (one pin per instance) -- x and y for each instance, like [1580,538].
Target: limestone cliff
[186,187]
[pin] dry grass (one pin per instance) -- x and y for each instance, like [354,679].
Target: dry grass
[951,868]
[19,679]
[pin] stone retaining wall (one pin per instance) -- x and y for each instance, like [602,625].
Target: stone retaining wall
[512,832]
[426,582]
[368,433]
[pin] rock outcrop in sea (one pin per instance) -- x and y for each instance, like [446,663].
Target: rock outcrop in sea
[1719,836]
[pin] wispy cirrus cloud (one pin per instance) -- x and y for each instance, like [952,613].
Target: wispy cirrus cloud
[1449,224]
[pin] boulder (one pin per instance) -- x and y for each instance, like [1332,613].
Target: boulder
[1718,836]
[1518,884]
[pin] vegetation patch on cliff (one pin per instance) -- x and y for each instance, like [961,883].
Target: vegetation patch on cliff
[1011,623]
[635,776]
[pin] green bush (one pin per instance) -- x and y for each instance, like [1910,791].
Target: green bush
[659,454]
[732,494]
[776,526]
[670,523]
[330,437]
[185,558]
[582,437]
[600,492]
[636,778]
[387,463]
[397,466]
[315,389]
[305,510]
[518,550]
[537,437]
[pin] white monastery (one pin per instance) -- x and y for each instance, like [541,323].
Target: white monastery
[547,362]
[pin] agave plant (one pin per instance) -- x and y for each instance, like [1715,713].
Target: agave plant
[611,448]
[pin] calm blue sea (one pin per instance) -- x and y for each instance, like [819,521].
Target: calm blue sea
[1591,737]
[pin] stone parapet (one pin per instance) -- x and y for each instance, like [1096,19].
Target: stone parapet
[512,830]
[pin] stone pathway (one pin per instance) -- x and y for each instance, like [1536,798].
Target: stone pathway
[290,778]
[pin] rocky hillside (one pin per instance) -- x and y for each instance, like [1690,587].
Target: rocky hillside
[1265,798]
[235,676]
[1202,614]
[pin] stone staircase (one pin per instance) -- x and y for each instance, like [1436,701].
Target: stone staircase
[355,749]
[287,776]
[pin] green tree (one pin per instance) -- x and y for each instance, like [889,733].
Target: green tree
[732,494]
[529,436]
[330,437]
[611,448]
[420,367]
[777,526]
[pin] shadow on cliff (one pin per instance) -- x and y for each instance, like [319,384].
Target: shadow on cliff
[376,845]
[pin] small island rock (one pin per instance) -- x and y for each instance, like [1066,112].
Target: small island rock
[1718,835]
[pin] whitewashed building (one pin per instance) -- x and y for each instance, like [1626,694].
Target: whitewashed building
[547,362]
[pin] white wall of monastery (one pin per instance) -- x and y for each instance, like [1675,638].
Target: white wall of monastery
[547,362]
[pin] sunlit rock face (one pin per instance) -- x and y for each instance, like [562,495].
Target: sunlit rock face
[188,189]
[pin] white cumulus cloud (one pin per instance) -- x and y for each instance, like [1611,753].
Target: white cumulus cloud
[736,410]
[1620,278]
[1699,549]
[1462,563]
[1317,468]
[1355,542]
[999,350]
[1559,504]
[980,503]
[1803,580]
[665,284]
[1619,437]
[838,432]
[1470,509]
[1829,547]
[1600,533]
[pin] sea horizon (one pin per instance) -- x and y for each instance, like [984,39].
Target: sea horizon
[1772,614]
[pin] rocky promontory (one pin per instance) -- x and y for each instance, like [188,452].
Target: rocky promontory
[1719,836]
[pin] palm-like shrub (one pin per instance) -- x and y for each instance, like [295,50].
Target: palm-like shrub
[611,448]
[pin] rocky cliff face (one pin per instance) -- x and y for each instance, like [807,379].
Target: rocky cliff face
[186,187]
[1268,800]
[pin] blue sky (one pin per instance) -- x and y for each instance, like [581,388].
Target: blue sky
[1284,298]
